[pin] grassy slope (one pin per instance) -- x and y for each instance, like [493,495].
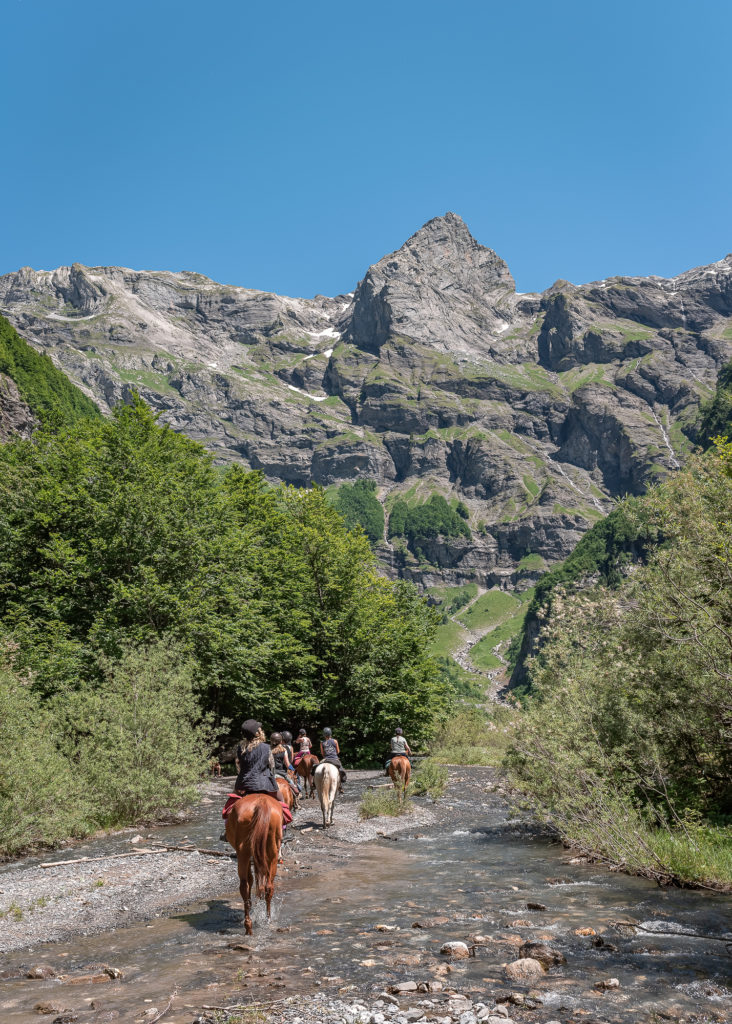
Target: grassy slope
[49,393]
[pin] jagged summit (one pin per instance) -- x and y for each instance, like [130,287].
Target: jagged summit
[434,376]
[441,288]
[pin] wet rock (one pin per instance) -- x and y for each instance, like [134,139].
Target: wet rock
[66,1018]
[47,1008]
[41,971]
[585,931]
[519,923]
[457,950]
[535,906]
[606,984]
[380,928]
[85,979]
[403,986]
[526,969]
[500,1010]
[547,956]
[150,1014]
[599,943]
[430,922]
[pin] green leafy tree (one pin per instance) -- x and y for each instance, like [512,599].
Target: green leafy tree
[359,506]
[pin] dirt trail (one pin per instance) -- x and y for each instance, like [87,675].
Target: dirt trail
[495,678]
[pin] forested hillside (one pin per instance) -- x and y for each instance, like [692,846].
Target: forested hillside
[148,599]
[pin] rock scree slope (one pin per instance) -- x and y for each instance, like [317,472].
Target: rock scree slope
[433,377]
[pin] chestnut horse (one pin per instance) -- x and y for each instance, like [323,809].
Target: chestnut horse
[305,768]
[254,829]
[286,794]
[400,771]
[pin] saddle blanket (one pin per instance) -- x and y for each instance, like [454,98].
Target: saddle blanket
[233,797]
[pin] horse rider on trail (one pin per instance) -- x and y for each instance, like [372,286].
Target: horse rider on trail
[282,762]
[399,748]
[255,765]
[287,742]
[330,751]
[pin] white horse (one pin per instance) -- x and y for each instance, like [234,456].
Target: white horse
[327,780]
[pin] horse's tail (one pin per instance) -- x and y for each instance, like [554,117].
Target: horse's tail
[259,836]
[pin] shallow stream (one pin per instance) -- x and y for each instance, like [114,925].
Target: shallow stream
[474,869]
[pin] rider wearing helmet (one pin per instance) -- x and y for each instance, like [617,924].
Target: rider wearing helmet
[330,751]
[399,747]
[287,743]
[281,760]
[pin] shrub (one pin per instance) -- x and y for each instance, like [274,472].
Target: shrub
[141,747]
[377,803]
[475,736]
[42,799]
[430,779]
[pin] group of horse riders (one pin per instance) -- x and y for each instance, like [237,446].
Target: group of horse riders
[259,763]
[258,810]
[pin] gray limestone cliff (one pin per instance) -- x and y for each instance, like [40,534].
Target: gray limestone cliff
[433,376]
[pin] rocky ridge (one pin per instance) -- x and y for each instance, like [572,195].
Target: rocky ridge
[434,376]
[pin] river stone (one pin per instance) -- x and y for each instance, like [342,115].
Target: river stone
[403,986]
[48,1008]
[526,969]
[458,950]
[500,1011]
[546,955]
[41,971]
[430,922]
[607,983]
[535,906]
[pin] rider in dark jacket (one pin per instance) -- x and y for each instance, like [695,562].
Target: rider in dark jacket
[255,763]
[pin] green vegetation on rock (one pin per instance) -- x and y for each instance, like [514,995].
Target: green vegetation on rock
[425,521]
[359,506]
[49,393]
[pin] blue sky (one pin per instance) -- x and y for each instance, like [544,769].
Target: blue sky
[287,146]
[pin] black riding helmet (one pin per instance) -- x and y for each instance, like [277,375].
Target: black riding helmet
[302,733]
[275,739]
[250,728]
[286,736]
[327,733]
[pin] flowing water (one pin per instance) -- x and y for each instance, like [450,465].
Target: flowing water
[325,933]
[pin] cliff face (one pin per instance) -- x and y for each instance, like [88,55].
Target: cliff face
[433,376]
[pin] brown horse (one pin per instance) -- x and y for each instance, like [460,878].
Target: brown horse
[400,771]
[254,829]
[286,794]
[305,768]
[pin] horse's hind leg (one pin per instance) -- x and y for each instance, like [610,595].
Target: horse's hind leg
[245,888]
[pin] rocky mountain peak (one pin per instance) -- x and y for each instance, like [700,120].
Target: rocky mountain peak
[434,377]
[441,289]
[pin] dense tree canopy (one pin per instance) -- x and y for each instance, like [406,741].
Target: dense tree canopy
[359,506]
[426,520]
[122,532]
